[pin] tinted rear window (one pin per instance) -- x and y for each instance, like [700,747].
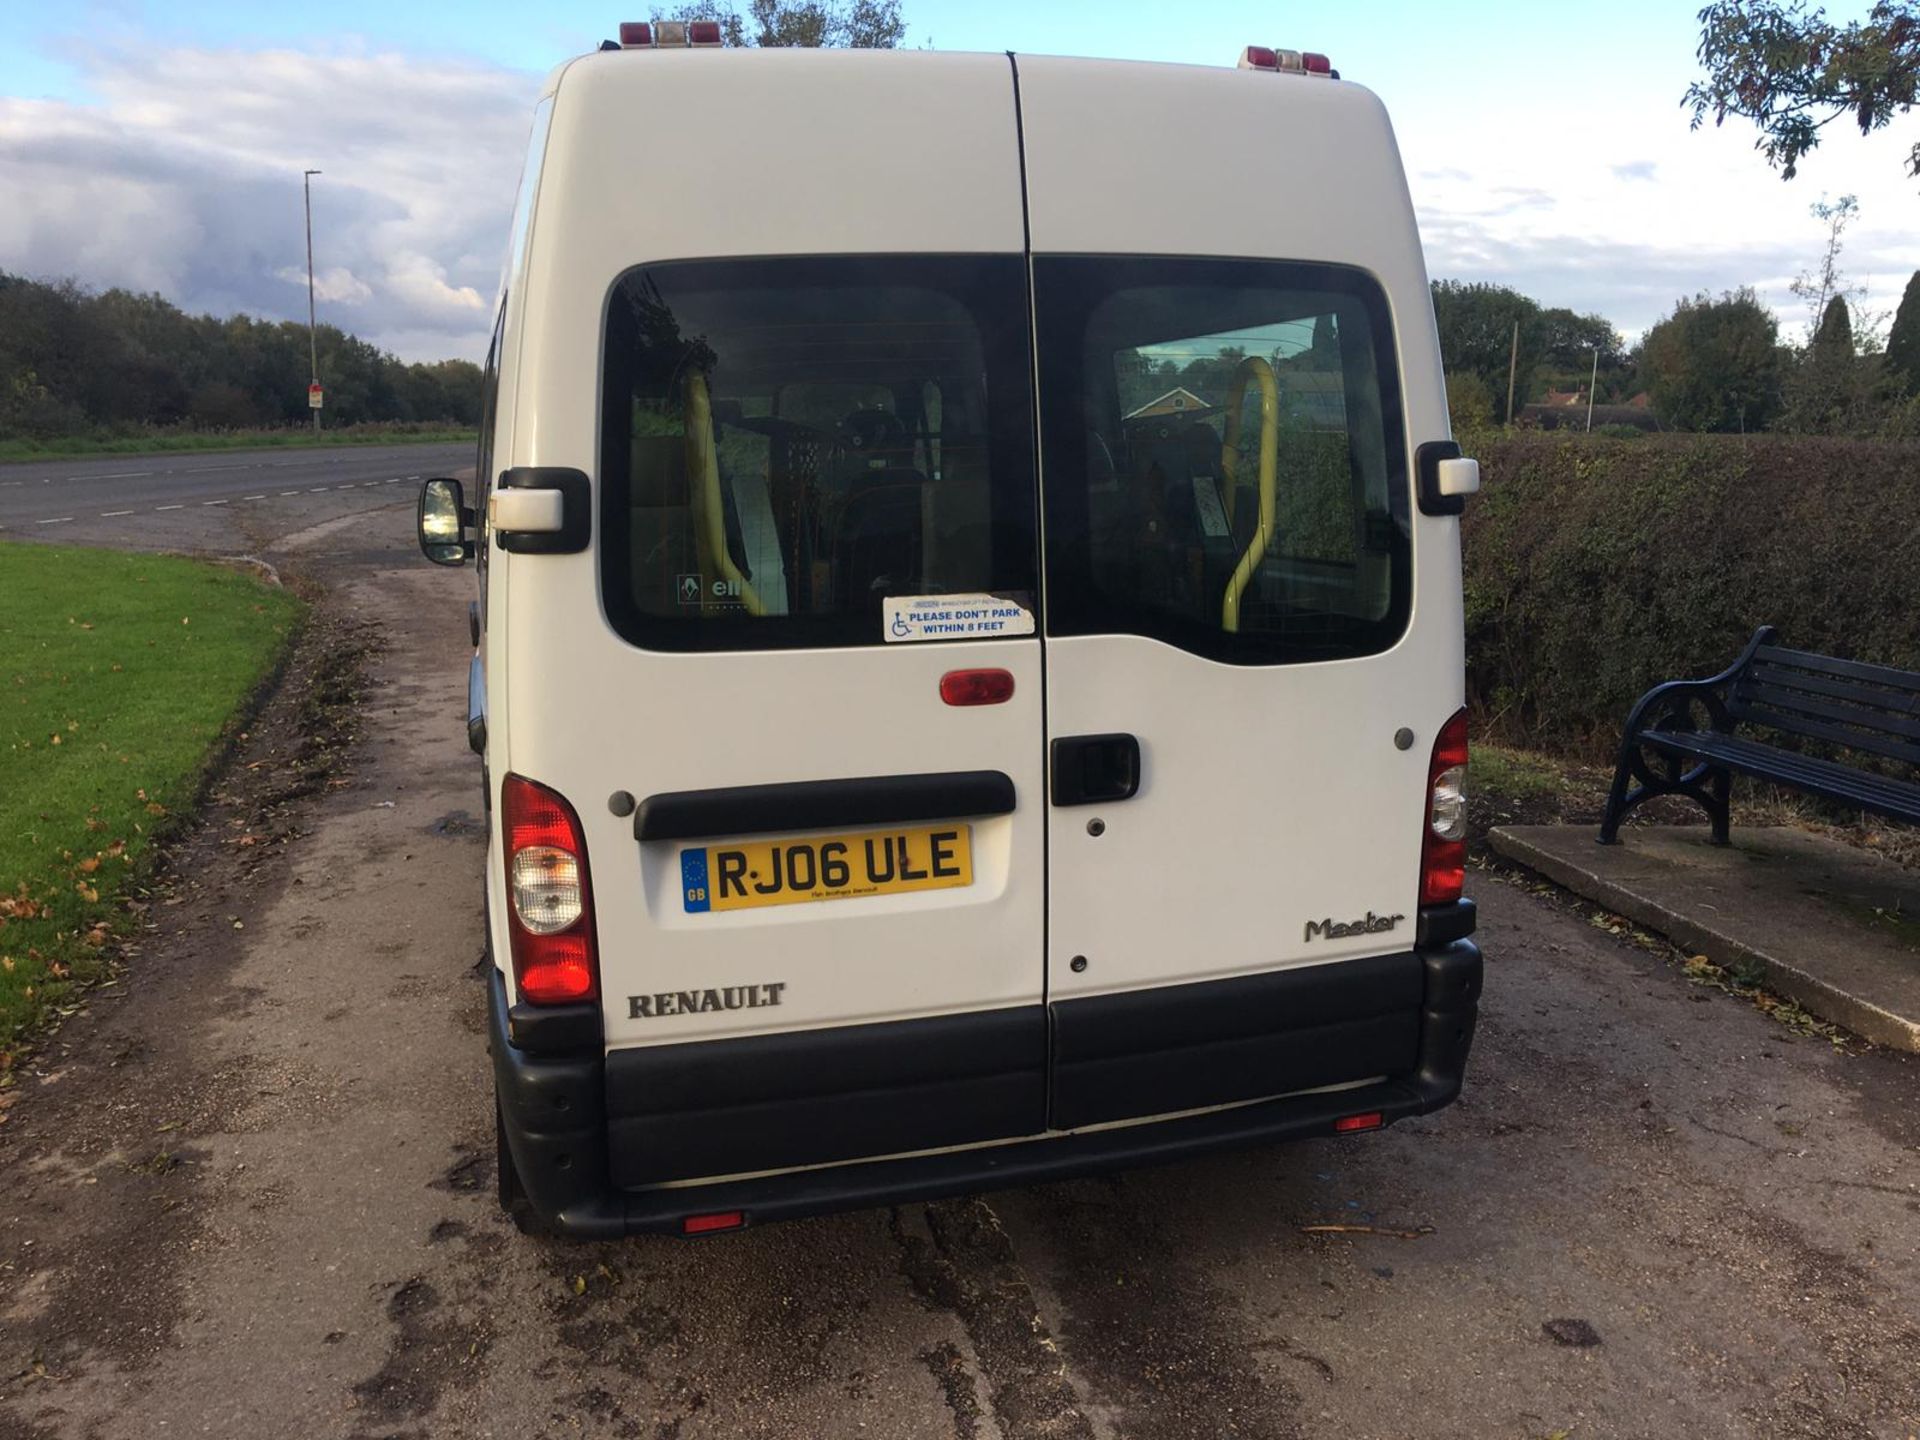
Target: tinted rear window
[1225,462]
[786,443]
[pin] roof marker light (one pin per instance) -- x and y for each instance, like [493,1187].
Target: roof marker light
[1317,64]
[635,34]
[669,34]
[1258,57]
[703,34]
[1288,60]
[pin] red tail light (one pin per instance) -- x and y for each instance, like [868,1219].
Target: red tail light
[707,1224]
[1370,1120]
[549,896]
[976,687]
[1443,849]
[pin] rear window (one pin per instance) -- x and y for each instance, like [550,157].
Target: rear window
[788,443]
[1225,457]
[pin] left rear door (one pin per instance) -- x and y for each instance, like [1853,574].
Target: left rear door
[820,937]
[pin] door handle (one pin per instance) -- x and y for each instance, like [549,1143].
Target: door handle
[1090,768]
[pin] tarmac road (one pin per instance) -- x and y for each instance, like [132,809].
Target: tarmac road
[248,1192]
[223,500]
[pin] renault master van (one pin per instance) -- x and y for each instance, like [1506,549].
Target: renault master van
[968,657]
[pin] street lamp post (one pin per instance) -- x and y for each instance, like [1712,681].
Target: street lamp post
[313,344]
[1591,386]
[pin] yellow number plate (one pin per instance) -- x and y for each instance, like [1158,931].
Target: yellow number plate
[826,867]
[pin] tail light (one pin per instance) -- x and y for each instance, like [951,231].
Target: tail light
[549,896]
[1443,849]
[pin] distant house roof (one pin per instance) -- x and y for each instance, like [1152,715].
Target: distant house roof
[1176,401]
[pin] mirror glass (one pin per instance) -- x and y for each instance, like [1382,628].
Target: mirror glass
[442,533]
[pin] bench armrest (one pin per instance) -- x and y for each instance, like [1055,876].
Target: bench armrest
[1712,690]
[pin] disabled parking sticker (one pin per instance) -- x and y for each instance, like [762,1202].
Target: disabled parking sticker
[954,617]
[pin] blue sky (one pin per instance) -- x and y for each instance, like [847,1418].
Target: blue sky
[159,146]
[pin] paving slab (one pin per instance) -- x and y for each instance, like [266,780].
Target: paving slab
[1831,926]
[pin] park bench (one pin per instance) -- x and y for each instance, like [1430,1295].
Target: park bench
[1680,737]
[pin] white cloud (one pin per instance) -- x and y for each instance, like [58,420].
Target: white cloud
[184,177]
[338,286]
[1628,214]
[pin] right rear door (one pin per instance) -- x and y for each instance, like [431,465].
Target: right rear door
[1230,586]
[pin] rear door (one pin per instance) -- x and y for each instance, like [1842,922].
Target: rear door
[1232,647]
[807,650]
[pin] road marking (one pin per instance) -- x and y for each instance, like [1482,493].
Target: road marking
[9,484]
[114,514]
[365,483]
[343,487]
[413,477]
[289,492]
[318,490]
[394,481]
[253,497]
[61,520]
[169,507]
[213,502]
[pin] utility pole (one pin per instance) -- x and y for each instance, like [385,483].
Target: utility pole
[313,343]
[1591,385]
[1513,369]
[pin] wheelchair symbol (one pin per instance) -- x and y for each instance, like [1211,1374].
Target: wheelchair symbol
[900,627]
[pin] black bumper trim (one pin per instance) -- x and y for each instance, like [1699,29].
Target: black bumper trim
[822,804]
[556,1128]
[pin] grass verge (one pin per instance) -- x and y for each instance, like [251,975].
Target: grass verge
[119,676]
[154,442]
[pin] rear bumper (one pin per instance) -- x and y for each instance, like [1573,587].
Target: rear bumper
[554,1110]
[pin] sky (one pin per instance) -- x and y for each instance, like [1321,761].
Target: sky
[160,146]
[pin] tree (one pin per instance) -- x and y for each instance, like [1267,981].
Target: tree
[812,24]
[1818,288]
[1903,342]
[1828,391]
[1793,73]
[1714,364]
[1476,323]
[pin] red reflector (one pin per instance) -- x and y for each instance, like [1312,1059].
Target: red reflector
[976,687]
[706,1224]
[1258,57]
[1372,1120]
[561,967]
[635,32]
[1316,64]
[703,32]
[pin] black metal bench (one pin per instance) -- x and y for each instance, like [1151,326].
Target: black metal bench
[1679,739]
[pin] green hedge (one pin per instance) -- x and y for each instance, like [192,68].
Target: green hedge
[1596,568]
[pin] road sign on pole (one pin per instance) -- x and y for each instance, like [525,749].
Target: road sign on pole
[315,396]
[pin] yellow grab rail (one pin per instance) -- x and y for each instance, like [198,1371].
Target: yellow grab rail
[1262,372]
[709,511]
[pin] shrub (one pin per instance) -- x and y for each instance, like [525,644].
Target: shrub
[1596,568]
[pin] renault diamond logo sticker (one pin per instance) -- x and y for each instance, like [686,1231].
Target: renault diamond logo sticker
[688,587]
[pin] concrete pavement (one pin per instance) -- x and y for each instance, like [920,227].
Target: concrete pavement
[248,1193]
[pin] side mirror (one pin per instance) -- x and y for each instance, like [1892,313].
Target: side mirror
[1446,478]
[443,522]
